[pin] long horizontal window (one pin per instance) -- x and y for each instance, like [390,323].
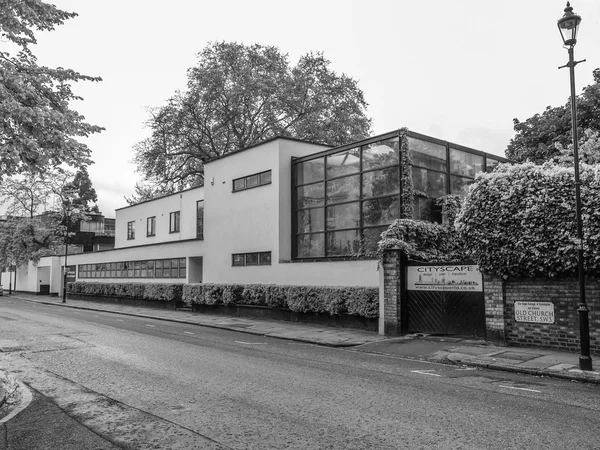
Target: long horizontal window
[251,181]
[251,259]
[152,268]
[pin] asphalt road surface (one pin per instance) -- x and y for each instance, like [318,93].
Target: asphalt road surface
[142,383]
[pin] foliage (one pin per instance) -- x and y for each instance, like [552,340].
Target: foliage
[422,241]
[536,138]
[41,209]
[450,205]
[519,221]
[360,301]
[407,200]
[39,130]
[147,190]
[168,292]
[588,150]
[83,192]
[238,96]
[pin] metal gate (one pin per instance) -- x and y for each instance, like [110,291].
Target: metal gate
[445,309]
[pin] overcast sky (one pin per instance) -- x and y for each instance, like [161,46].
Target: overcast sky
[458,70]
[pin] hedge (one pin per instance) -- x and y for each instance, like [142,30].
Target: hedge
[519,221]
[359,301]
[149,291]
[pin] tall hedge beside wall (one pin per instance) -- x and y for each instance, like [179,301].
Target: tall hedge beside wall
[500,296]
[169,292]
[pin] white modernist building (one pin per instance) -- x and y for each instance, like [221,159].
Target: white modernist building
[281,212]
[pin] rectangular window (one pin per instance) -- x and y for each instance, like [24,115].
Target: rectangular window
[238,259]
[174,222]
[158,269]
[251,181]
[182,267]
[150,266]
[166,263]
[131,230]
[251,259]
[151,226]
[200,219]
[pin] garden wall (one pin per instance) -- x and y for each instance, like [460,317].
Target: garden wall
[563,334]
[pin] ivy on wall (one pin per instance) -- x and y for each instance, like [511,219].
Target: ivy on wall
[426,241]
[406,185]
[520,221]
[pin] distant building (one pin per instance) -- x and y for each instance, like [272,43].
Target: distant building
[284,212]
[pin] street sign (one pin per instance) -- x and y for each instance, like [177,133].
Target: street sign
[534,312]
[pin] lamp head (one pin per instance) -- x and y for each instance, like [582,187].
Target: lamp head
[568,26]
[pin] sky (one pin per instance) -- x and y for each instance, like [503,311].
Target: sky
[457,70]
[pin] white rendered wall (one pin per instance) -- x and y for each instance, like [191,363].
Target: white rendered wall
[260,219]
[184,201]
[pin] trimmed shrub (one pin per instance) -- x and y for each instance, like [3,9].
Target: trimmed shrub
[232,294]
[519,221]
[363,302]
[192,294]
[163,291]
[275,296]
[255,294]
[212,294]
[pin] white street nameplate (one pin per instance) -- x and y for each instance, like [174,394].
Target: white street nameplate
[534,312]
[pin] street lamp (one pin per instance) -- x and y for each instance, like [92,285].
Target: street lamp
[64,292]
[568,25]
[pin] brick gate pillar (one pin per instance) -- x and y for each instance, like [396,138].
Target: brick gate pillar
[390,289]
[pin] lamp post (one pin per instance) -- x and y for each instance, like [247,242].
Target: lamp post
[568,25]
[64,292]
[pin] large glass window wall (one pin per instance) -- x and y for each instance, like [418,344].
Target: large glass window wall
[346,199]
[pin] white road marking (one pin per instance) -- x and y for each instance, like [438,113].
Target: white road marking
[518,388]
[119,320]
[148,325]
[95,315]
[426,372]
[251,343]
[188,332]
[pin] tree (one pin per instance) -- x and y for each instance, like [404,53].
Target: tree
[240,95]
[39,130]
[537,138]
[42,209]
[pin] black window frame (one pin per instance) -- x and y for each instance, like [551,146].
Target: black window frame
[264,178]
[131,230]
[247,259]
[175,222]
[151,226]
[200,219]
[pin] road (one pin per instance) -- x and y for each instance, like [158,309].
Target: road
[154,384]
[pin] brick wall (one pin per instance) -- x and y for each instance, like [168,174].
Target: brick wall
[563,293]
[495,326]
[391,265]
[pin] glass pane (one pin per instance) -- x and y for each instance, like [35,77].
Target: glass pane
[425,209]
[150,266]
[308,171]
[427,154]
[381,154]
[343,163]
[265,258]
[381,211]
[463,163]
[491,164]
[252,181]
[158,269]
[343,216]
[381,182]
[460,185]
[343,189]
[182,272]
[174,268]
[311,220]
[239,184]
[251,259]
[166,263]
[238,260]
[265,177]
[182,263]
[428,182]
[311,195]
[372,237]
[343,243]
[311,245]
